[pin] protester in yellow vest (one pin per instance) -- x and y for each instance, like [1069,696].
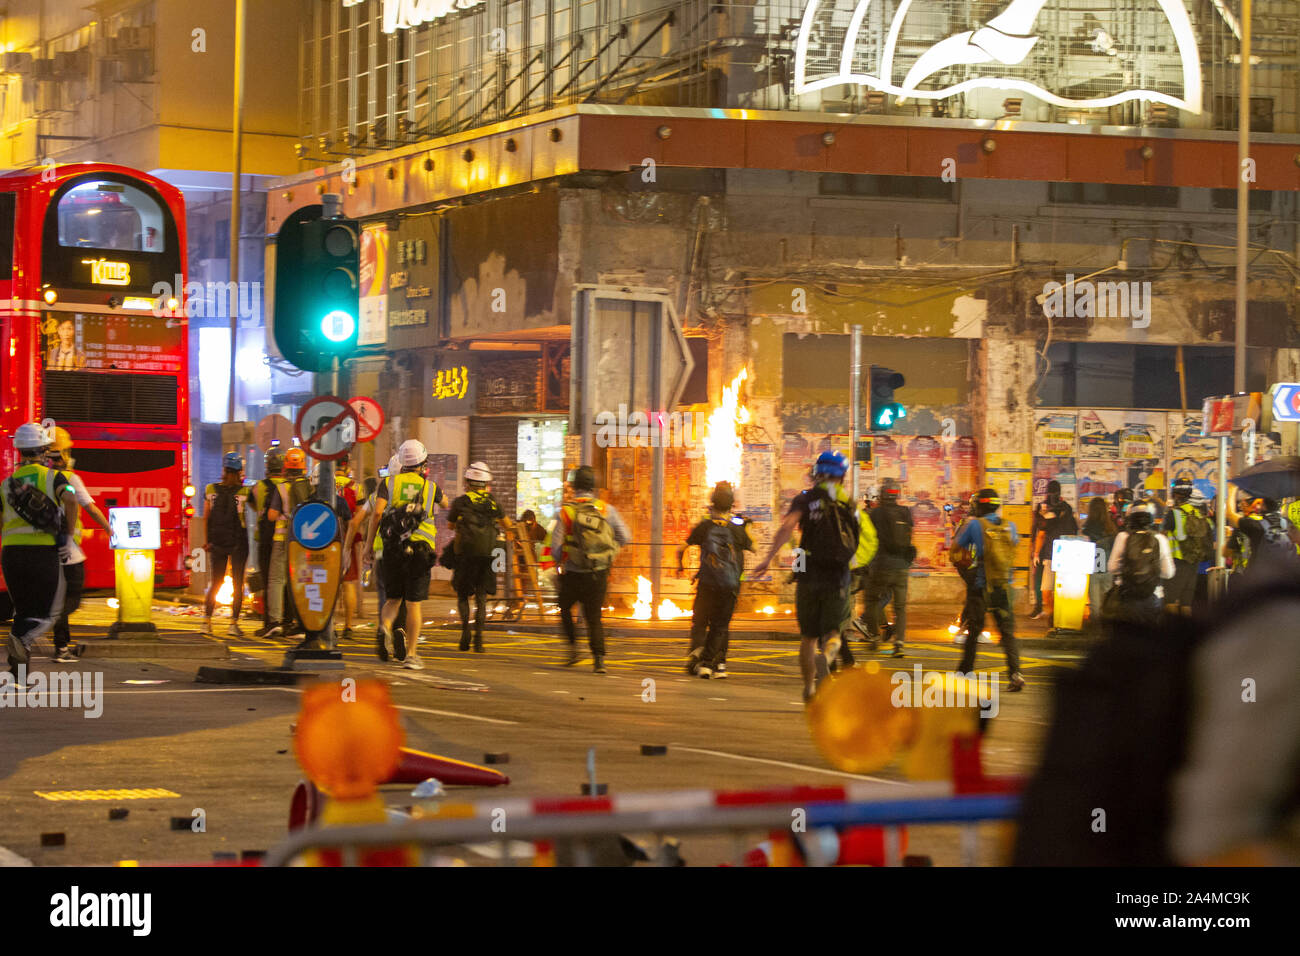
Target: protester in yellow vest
[72,557]
[409,555]
[267,532]
[39,505]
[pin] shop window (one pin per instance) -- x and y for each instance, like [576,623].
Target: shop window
[1112,194]
[696,390]
[1115,375]
[1261,200]
[887,187]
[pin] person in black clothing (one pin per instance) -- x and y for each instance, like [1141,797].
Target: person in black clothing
[1053,518]
[887,577]
[1261,518]
[474,515]
[227,541]
[723,541]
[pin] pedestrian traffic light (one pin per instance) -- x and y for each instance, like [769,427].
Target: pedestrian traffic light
[885,412]
[317,299]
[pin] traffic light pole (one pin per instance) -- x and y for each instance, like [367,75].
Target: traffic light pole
[855,409]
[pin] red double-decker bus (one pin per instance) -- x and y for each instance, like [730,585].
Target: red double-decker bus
[92,279]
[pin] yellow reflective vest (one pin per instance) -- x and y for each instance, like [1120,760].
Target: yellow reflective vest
[16,530]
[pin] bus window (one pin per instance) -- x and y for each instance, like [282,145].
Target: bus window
[109,215]
[6,235]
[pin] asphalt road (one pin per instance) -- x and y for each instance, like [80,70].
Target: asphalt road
[227,751]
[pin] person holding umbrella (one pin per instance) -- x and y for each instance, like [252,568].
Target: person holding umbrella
[1273,540]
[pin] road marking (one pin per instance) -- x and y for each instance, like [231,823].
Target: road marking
[782,763]
[452,713]
[150,793]
[10,858]
[723,699]
[295,690]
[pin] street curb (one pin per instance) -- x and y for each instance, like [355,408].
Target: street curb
[153,650]
[251,676]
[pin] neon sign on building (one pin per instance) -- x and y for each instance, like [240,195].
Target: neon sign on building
[1005,52]
[404,14]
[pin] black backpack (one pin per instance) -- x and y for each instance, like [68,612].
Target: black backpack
[720,559]
[399,522]
[1275,550]
[830,532]
[1140,568]
[476,533]
[34,506]
[1117,738]
[894,531]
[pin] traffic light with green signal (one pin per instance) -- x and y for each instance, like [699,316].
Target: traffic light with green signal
[317,294]
[885,412]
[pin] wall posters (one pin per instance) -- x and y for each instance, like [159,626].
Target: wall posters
[1141,450]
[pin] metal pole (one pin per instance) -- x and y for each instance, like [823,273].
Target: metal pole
[1243,204]
[237,127]
[1221,506]
[657,475]
[855,408]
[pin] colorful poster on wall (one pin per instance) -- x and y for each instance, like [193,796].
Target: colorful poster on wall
[1010,475]
[757,474]
[373,327]
[1052,468]
[1121,434]
[1095,477]
[1054,434]
[963,464]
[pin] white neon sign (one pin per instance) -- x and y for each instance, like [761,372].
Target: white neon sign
[1004,40]
[404,14]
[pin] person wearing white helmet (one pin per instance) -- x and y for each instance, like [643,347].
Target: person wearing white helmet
[40,505]
[474,515]
[357,526]
[58,456]
[403,515]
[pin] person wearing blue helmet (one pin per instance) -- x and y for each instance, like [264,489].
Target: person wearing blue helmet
[226,540]
[834,538]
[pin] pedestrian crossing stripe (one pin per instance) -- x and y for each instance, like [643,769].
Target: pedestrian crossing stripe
[149,793]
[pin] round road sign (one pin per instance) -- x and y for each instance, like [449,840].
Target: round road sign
[370,417]
[327,428]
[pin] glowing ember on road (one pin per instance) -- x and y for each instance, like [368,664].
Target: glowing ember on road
[226,593]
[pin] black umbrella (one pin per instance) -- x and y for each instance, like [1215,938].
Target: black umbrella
[1276,478]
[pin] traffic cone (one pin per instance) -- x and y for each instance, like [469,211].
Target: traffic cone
[416,766]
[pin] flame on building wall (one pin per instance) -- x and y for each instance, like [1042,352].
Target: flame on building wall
[722,445]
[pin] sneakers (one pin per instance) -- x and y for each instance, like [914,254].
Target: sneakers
[720,672]
[64,655]
[383,644]
[206,629]
[399,644]
[413,663]
[271,630]
[598,665]
[704,671]
[693,661]
[1036,614]
[898,650]
[234,630]
[1017,683]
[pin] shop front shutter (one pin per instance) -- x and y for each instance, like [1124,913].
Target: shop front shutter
[495,441]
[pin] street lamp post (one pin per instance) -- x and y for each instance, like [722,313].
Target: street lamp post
[1243,202]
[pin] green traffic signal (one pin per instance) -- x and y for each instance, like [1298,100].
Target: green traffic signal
[317,295]
[885,412]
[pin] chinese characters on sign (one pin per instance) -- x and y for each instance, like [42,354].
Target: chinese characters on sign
[509,385]
[451,382]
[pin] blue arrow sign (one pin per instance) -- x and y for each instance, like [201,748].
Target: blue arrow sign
[1286,402]
[315,525]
